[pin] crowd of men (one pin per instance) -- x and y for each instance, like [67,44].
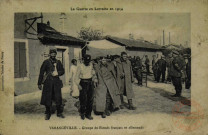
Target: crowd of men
[103,82]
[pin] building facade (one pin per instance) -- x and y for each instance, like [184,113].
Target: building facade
[32,41]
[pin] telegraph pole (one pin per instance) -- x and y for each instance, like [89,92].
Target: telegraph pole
[169,38]
[163,37]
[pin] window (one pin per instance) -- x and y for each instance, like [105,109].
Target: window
[20,59]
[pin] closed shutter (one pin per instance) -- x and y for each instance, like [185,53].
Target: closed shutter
[23,71]
[16,60]
[20,64]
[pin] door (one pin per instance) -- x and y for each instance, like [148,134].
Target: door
[60,56]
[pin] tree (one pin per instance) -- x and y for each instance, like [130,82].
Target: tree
[90,34]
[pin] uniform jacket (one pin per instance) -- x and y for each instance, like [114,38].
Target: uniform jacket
[106,82]
[176,67]
[51,82]
[125,77]
[161,65]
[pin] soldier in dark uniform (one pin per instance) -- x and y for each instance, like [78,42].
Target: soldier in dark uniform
[188,72]
[52,68]
[138,70]
[154,67]
[147,63]
[176,73]
[161,63]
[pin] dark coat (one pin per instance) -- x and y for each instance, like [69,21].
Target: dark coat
[147,61]
[52,85]
[161,65]
[125,78]
[175,67]
[106,82]
[188,69]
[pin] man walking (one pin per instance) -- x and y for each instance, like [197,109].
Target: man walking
[176,73]
[86,74]
[107,91]
[125,80]
[52,68]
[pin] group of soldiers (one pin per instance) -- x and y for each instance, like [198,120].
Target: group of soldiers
[103,82]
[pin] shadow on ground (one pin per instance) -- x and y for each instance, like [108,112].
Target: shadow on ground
[183,100]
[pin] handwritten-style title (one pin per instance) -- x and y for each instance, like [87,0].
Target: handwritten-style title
[96,9]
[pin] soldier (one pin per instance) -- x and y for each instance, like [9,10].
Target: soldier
[161,63]
[154,67]
[138,70]
[188,71]
[147,64]
[176,73]
[107,91]
[86,75]
[169,59]
[125,80]
[51,84]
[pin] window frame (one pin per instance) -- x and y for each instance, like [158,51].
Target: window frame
[27,78]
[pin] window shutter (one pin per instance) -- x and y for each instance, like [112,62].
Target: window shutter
[16,60]
[22,54]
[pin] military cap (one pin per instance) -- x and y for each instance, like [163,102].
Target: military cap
[87,58]
[52,50]
[175,52]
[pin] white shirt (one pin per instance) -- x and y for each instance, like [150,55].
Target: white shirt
[85,72]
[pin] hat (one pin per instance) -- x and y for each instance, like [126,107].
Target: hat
[175,52]
[87,58]
[186,56]
[52,50]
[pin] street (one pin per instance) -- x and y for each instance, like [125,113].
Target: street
[155,98]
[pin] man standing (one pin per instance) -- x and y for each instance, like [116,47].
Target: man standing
[188,71]
[147,63]
[138,70]
[161,63]
[154,67]
[51,84]
[86,74]
[107,91]
[176,73]
[125,80]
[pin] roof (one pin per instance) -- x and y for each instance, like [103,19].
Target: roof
[129,43]
[103,44]
[103,48]
[48,35]
[173,46]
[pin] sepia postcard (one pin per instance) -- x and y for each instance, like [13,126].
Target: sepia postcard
[103,67]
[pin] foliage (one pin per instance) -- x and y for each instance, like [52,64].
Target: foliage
[89,34]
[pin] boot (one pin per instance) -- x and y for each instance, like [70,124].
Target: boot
[60,115]
[48,113]
[103,115]
[82,116]
[47,116]
[89,117]
[107,112]
[59,111]
[131,107]
[122,102]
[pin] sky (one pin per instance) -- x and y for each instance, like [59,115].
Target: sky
[150,26]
